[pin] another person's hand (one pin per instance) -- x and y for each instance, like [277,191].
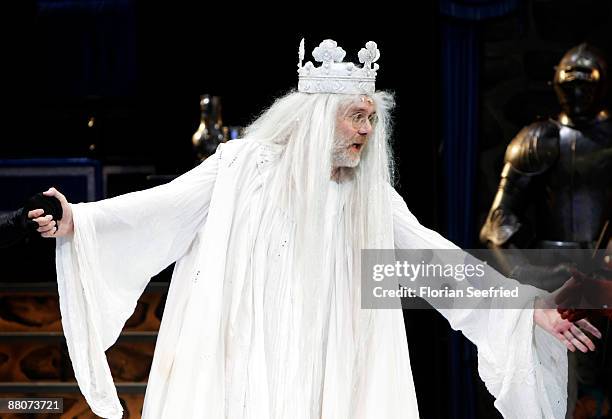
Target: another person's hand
[574,314]
[47,226]
[570,334]
[585,296]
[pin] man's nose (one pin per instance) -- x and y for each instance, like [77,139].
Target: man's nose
[366,128]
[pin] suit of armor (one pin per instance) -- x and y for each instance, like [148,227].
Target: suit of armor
[562,168]
[556,193]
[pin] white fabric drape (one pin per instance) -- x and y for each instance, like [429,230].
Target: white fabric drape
[118,245]
[231,340]
[523,367]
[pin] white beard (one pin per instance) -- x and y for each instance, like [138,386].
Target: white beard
[342,156]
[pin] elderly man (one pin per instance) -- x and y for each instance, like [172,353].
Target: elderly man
[264,317]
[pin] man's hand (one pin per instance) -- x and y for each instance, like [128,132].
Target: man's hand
[570,334]
[35,213]
[47,226]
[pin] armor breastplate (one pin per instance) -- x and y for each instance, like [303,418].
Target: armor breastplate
[574,197]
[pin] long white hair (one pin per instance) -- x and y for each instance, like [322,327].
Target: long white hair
[303,126]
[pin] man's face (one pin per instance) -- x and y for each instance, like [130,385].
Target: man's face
[353,127]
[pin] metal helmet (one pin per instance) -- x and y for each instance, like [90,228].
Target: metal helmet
[581,81]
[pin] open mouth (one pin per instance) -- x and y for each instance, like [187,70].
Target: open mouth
[356,146]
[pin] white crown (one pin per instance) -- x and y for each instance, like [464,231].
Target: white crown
[335,76]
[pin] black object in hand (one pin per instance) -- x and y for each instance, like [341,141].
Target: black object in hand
[50,204]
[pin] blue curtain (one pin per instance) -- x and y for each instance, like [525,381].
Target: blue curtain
[460,73]
[88,47]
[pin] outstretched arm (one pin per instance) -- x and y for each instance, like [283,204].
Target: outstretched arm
[13,227]
[524,367]
[410,234]
[106,253]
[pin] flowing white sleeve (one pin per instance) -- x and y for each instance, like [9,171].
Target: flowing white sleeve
[117,246]
[523,367]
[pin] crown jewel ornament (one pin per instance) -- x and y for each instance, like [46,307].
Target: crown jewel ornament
[334,75]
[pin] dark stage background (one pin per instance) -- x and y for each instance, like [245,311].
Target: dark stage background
[467,76]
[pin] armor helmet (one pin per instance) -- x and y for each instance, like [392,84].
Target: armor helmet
[581,81]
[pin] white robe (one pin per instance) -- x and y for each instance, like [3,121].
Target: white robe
[230,344]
